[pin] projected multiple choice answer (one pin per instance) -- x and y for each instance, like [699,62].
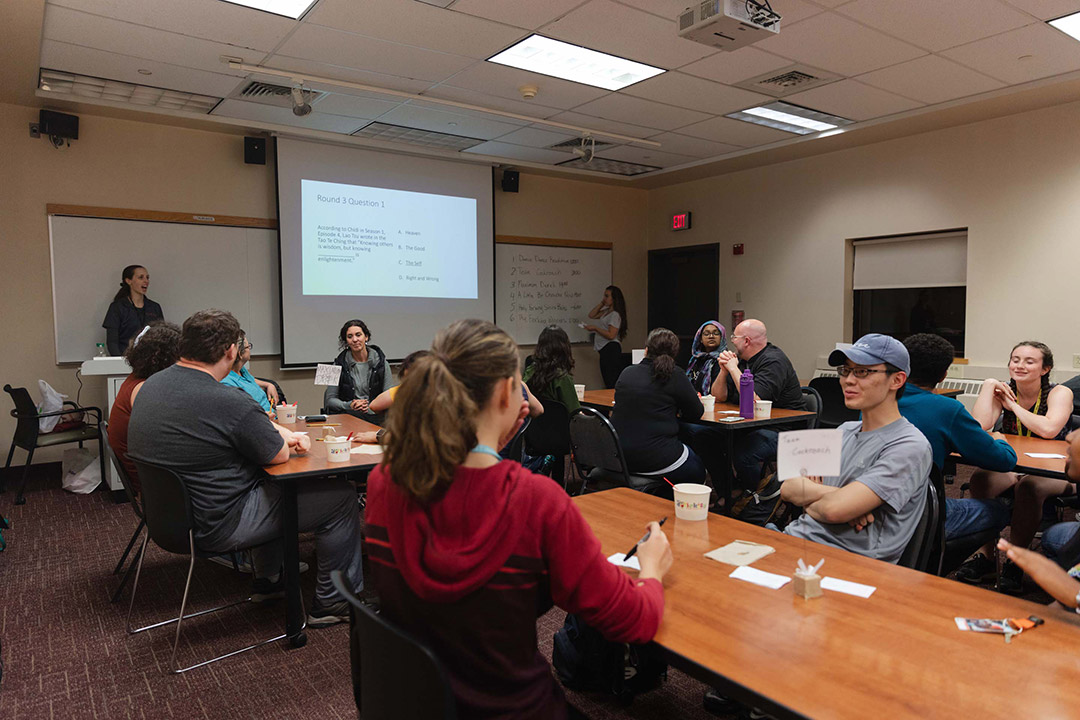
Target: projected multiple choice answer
[390,243]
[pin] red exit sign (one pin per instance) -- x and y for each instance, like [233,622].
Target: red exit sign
[680,221]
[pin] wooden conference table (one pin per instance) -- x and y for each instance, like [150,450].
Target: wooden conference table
[1045,467]
[895,654]
[298,468]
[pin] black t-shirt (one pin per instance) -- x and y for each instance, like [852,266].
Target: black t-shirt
[647,412]
[123,321]
[774,379]
[215,437]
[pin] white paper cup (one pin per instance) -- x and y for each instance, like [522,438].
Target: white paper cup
[762,409]
[286,414]
[580,390]
[692,501]
[338,449]
[708,402]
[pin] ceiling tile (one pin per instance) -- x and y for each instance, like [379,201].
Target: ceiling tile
[790,11]
[600,124]
[527,14]
[645,112]
[627,32]
[692,146]
[479,114]
[472,97]
[339,72]
[283,116]
[936,25]
[207,19]
[1047,9]
[353,106]
[852,100]
[645,156]
[112,66]
[834,43]
[504,81]
[733,67]
[427,118]
[536,137]
[930,79]
[1052,53]
[519,152]
[832,3]
[315,42]
[736,132]
[688,91]
[415,23]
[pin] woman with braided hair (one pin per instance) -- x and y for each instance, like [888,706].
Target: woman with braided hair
[1028,405]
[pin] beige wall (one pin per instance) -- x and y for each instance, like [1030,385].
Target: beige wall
[1013,182]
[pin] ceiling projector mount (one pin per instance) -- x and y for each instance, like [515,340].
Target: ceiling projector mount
[301,106]
[587,149]
[729,24]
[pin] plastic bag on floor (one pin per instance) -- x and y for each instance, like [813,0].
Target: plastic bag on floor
[82,473]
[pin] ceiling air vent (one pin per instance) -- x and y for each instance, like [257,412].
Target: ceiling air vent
[786,81]
[612,167]
[571,145]
[276,95]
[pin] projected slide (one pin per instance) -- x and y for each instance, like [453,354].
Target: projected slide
[374,242]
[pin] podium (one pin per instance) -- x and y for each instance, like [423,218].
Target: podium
[115,370]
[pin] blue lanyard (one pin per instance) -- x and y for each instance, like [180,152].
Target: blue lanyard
[485,450]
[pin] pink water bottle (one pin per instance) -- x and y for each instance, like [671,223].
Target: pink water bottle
[746,395]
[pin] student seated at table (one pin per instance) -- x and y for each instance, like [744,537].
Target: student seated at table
[650,397]
[704,367]
[385,399]
[365,373]
[1029,405]
[873,507]
[950,428]
[550,374]
[262,391]
[217,441]
[467,550]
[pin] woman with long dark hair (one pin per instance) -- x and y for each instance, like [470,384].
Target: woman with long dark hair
[467,549]
[130,310]
[609,332]
[365,373]
[549,376]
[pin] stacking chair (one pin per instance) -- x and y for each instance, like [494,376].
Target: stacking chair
[394,674]
[167,512]
[833,412]
[923,551]
[29,438]
[812,398]
[549,434]
[136,507]
[597,454]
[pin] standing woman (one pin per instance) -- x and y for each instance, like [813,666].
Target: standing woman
[610,331]
[365,373]
[130,310]
[704,366]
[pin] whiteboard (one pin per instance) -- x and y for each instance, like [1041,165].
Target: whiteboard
[192,267]
[541,285]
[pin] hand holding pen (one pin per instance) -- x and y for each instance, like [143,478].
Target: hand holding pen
[653,551]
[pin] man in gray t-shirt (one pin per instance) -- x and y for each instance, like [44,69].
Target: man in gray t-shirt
[875,504]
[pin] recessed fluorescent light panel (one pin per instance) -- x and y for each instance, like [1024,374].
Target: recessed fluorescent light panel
[790,118]
[1070,25]
[612,167]
[121,92]
[415,136]
[543,55]
[289,8]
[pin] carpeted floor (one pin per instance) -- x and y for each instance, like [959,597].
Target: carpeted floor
[66,653]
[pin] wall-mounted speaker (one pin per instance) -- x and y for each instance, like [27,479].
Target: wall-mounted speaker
[255,150]
[510,181]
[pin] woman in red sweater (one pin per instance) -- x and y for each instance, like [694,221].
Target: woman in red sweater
[467,549]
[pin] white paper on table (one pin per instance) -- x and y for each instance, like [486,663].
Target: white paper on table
[759,577]
[617,559]
[1045,456]
[299,432]
[729,419]
[848,587]
[327,374]
[808,453]
[367,450]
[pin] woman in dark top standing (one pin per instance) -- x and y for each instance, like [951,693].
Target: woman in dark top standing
[610,331]
[650,397]
[130,310]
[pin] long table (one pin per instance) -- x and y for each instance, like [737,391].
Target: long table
[1046,467]
[298,468]
[896,654]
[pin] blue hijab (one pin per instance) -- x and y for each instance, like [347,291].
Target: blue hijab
[704,365]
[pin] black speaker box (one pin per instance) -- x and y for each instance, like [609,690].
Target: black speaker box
[255,150]
[59,124]
[510,181]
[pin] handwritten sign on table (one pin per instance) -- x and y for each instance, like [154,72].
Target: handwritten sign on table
[808,453]
[327,374]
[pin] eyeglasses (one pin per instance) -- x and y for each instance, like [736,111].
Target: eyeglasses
[711,333]
[860,372]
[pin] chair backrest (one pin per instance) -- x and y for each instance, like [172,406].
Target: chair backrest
[394,674]
[549,432]
[26,431]
[833,412]
[920,551]
[122,473]
[812,398]
[595,444]
[166,507]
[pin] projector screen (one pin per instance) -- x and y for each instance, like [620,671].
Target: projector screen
[403,243]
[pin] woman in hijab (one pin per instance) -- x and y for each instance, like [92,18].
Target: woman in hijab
[704,365]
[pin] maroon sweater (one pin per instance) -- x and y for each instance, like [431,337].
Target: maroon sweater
[470,573]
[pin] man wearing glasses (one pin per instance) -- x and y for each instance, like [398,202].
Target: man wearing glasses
[262,391]
[874,505]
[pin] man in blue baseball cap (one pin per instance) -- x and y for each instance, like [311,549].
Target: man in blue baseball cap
[875,504]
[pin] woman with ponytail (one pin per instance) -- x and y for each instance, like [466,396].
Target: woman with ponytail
[468,549]
[1028,405]
[130,310]
[650,398]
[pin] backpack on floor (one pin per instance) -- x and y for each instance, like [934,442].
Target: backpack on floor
[760,506]
[584,660]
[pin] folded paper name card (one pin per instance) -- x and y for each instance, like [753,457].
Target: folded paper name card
[740,552]
[808,453]
[326,374]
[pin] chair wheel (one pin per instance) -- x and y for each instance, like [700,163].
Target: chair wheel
[299,640]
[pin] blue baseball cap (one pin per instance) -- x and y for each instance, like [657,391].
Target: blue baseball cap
[870,350]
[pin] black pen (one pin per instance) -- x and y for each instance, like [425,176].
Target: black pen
[643,539]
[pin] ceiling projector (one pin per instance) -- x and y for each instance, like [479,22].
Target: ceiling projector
[728,24]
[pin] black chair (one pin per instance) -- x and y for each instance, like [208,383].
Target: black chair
[394,674]
[833,412]
[549,434]
[169,523]
[280,392]
[923,550]
[29,438]
[136,507]
[812,398]
[597,455]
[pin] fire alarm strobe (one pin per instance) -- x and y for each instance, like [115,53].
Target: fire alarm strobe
[737,249]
